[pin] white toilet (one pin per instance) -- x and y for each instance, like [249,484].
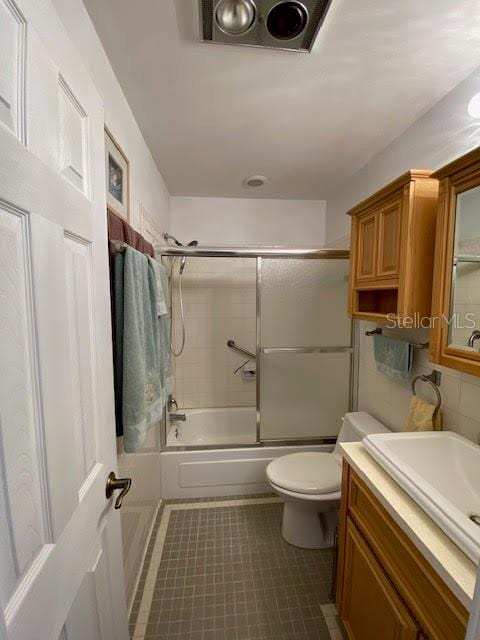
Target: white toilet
[310,485]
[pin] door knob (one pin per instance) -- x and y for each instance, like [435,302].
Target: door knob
[117,484]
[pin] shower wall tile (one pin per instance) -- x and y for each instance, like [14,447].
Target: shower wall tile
[220,303]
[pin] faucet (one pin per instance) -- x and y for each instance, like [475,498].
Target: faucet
[473,338]
[171,402]
[174,417]
[178,417]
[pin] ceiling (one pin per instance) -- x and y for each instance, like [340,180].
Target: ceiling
[214,114]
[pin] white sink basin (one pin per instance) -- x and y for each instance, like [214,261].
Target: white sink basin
[441,472]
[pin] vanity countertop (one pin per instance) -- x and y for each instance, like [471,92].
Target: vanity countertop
[452,565]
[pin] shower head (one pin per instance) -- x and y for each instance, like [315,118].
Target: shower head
[193,243]
[168,236]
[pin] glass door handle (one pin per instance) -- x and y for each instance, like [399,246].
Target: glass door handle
[117,484]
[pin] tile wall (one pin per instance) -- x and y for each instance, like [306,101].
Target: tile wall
[388,400]
[220,303]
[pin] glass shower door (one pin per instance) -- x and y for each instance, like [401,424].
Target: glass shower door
[305,347]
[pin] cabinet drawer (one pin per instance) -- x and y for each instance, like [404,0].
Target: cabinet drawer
[438,611]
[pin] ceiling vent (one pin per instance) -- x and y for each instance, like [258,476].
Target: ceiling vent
[272,24]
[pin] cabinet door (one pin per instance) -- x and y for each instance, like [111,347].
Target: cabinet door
[389,234]
[366,243]
[370,606]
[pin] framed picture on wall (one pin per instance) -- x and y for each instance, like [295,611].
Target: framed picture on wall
[118,177]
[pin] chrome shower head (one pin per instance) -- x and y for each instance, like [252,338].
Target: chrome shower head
[193,243]
[168,236]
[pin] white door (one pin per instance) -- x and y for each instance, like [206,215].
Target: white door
[61,572]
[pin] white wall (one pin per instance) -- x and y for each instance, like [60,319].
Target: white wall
[246,221]
[442,134]
[148,190]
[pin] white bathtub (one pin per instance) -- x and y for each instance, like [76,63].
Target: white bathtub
[207,427]
[219,472]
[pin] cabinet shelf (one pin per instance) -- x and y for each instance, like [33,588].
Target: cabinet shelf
[377,301]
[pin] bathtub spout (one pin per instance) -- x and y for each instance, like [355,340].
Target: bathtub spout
[178,417]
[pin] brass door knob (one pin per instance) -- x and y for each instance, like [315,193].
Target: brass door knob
[117,484]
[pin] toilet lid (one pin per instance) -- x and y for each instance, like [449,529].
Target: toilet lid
[309,472]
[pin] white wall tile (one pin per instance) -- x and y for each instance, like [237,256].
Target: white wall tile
[470,401]
[220,303]
[388,400]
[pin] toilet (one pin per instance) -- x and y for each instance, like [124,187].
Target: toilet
[310,483]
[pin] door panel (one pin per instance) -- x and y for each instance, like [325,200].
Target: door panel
[23,525]
[304,359]
[367,242]
[60,544]
[303,303]
[54,366]
[303,395]
[370,605]
[12,69]
[80,319]
[91,615]
[389,223]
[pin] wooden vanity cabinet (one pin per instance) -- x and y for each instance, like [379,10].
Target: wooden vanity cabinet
[386,590]
[393,243]
[368,584]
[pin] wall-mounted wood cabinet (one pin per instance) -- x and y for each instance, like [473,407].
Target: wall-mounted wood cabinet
[455,335]
[393,243]
[386,590]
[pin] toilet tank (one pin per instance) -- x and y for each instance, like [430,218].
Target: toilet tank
[355,427]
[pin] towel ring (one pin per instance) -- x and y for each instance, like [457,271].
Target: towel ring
[430,379]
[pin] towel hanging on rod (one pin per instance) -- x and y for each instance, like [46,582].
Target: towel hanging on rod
[415,345]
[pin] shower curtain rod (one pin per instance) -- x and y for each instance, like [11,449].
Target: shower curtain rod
[251,252]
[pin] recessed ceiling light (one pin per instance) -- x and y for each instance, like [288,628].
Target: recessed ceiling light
[254,181]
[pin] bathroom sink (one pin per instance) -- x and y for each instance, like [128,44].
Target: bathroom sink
[441,472]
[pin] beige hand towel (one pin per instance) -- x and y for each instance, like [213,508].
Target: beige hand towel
[423,416]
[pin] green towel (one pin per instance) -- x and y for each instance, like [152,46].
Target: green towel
[392,357]
[138,351]
[118,342]
[163,327]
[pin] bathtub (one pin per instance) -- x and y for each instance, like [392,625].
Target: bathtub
[228,471]
[206,427]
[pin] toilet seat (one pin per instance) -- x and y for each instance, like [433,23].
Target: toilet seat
[318,498]
[307,473]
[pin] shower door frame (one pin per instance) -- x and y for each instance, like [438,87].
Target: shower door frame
[258,253]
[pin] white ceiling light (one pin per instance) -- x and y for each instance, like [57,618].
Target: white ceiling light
[254,181]
[235,17]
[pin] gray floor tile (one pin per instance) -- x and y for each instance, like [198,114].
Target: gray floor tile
[227,573]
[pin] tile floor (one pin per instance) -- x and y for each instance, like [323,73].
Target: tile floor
[219,569]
